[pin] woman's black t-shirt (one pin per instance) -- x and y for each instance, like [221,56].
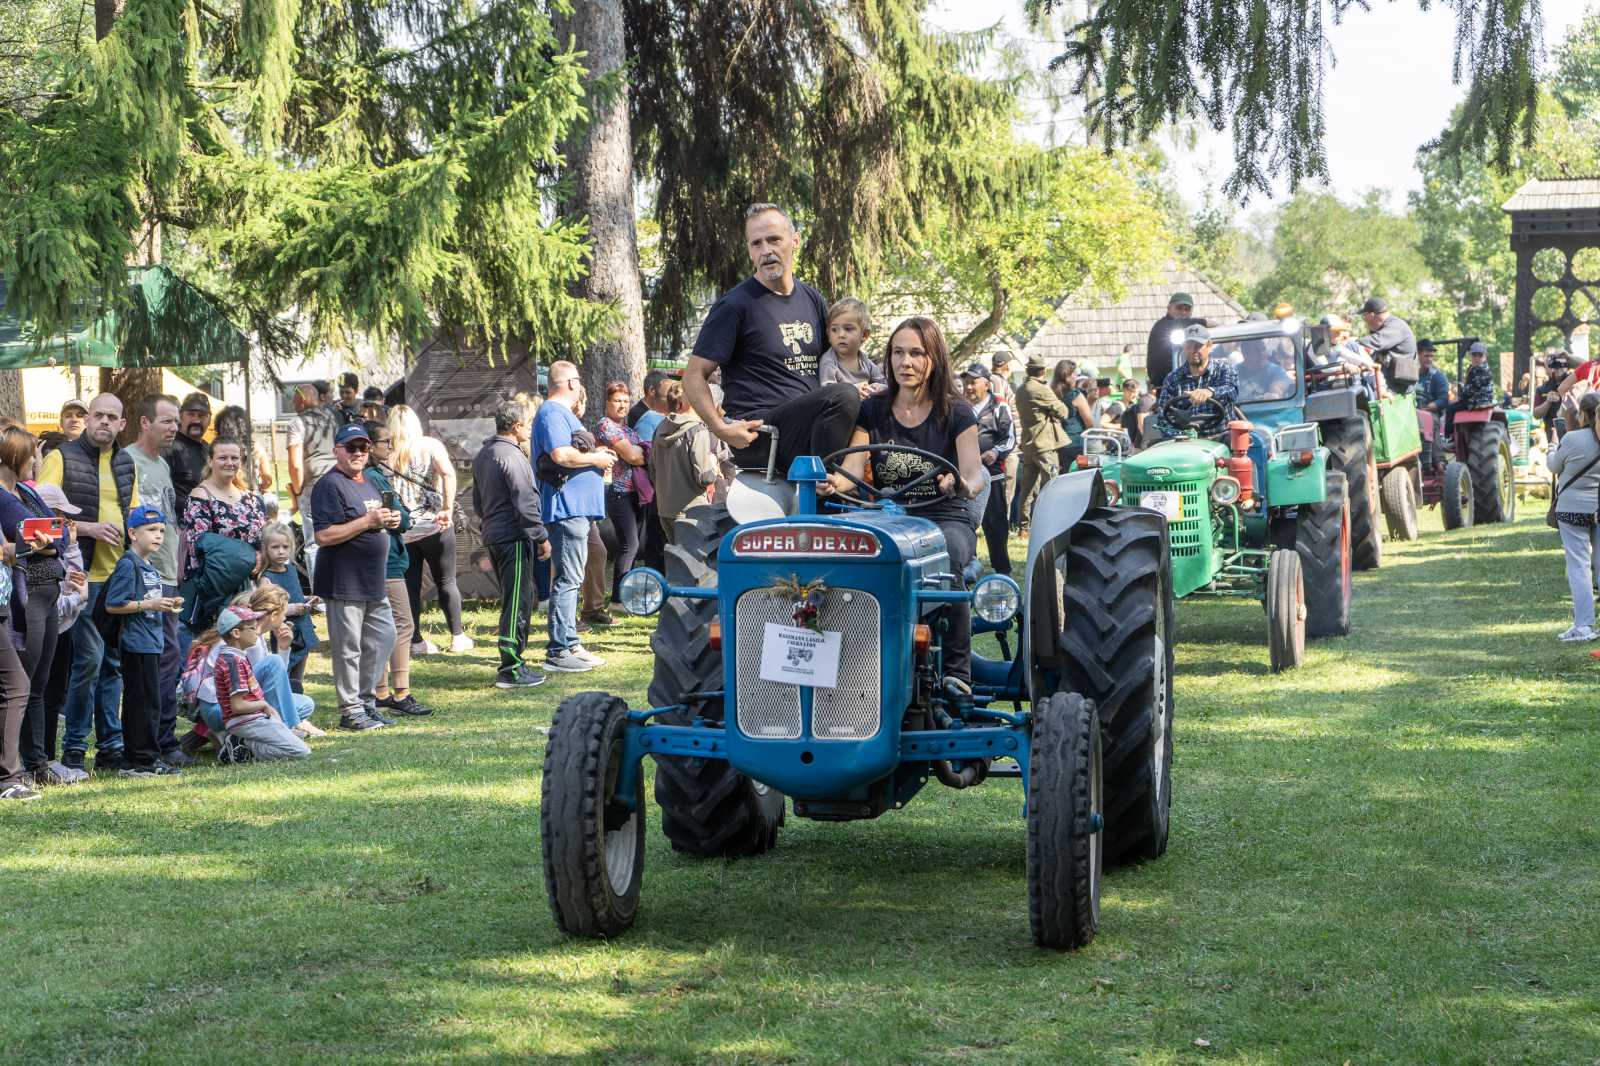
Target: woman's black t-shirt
[898,468]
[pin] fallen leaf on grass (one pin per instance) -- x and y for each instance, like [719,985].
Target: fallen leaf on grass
[1201,1041]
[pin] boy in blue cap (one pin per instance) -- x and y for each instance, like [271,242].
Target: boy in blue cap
[133,591]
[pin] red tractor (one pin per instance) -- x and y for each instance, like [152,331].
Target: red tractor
[1470,475]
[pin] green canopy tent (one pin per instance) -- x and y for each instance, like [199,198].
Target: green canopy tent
[164,322]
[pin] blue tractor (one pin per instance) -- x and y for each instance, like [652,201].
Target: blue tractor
[798,655]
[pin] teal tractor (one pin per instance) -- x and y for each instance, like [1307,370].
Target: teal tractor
[1255,508]
[799,669]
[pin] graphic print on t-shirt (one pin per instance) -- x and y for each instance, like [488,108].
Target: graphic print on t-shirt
[794,335]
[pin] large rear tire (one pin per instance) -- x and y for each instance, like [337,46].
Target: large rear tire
[1117,651]
[708,808]
[1349,444]
[1286,616]
[1322,540]
[1064,811]
[593,846]
[1494,479]
[1399,496]
[1456,496]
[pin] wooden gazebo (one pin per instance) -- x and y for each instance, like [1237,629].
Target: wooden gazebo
[1555,231]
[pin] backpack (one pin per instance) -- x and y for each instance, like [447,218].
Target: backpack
[194,675]
[107,624]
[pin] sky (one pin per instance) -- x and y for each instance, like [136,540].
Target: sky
[1388,92]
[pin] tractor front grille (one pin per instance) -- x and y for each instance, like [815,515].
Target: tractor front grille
[1189,535]
[771,710]
[1519,437]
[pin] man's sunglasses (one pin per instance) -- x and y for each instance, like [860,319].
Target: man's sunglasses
[355,448]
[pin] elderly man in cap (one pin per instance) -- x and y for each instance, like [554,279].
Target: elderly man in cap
[997,438]
[1388,335]
[1159,349]
[1200,379]
[1041,414]
[1477,388]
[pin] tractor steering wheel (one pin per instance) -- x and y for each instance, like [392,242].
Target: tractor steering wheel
[1204,418]
[879,497]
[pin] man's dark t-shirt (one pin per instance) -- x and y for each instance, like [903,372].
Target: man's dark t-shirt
[1159,347]
[353,570]
[1541,394]
[187,458]
[895,469]
[767,345]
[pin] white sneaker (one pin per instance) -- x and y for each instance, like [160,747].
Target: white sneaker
[1577,634]
[586,655]
[565,662]
[461,642]
[423,647]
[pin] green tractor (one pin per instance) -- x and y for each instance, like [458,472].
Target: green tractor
[1261,514]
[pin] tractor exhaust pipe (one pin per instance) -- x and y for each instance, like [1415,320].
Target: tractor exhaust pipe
[971,774]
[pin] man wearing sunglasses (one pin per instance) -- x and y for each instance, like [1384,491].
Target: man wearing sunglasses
[352,536]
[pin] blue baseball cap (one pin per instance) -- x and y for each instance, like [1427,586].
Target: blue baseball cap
[351,431]
[144,515]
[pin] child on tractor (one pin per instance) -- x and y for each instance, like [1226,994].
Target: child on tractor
[1477,389]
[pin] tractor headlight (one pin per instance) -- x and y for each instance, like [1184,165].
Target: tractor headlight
[1225,490]
[643,591]
[1176,338]
[996,598]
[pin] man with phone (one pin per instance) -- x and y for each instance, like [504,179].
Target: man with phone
[100,480]
[352,533]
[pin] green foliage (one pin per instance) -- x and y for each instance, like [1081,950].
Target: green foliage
[1255,68]
[1089,226]
[1330,255]
[1576,80]
[374,166]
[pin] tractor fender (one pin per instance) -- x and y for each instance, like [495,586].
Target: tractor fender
[1061,504]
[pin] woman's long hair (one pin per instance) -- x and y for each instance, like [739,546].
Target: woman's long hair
[1061,381]
[941,379]
[406,429]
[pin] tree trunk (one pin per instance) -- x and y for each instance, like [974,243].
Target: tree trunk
[600,165]
[11,399]
[105,16]
[968,347]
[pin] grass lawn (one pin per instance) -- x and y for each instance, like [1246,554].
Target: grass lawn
[1389,856]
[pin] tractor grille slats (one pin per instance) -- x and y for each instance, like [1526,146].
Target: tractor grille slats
[771,710]
[1188,533]
[1519,438]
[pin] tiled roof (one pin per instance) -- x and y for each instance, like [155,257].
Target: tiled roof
[1560,194]
[1081,330]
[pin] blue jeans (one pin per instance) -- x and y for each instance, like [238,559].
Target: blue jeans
[569,554]
[95,694]
[273,677]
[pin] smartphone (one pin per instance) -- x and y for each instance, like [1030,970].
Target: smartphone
[32,527]
[390,502]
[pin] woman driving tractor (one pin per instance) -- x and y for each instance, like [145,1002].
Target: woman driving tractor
[922,412]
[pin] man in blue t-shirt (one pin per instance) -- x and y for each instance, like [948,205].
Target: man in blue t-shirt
[352,523]
[767,334]
[571,496]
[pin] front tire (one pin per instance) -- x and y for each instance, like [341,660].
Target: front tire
[1322,540]
[593,845]
[1349,444]
[1064,815]
[1456,496]
[1117,651]
[1494,479]
[1400,503]
[1286,615]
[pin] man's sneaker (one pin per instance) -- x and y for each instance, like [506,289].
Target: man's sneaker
[565,662]
[461,642]
[179,758]
[18,792]
[379,717]
[410,705]
[600,618]
[1577,634]
[109,762]
[140,771]
[586,655]
[358,723]
[58,774]
[72,759]
[523,678]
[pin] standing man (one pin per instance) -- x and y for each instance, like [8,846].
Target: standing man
[1040,411]
[158,429]
[997,438]
[349,406]
[1387,335]
[1547,397]
[506,502]
[187,457]
[1159,349]
[571,498]
[99,479]
[767,335]
[310,448]
[352,533]
[1000,379]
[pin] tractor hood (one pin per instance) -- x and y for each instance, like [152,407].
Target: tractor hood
[1176,460]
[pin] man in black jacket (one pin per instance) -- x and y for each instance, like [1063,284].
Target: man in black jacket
[1159,349]
[997,439]
[512,529]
